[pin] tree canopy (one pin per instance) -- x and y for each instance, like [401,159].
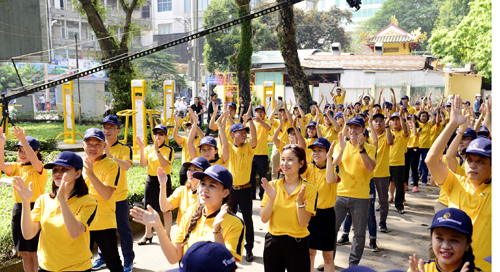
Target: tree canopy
[8,76]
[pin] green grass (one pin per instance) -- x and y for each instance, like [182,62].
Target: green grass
[6,205]
[50,130]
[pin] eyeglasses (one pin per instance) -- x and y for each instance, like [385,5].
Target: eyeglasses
[159,133]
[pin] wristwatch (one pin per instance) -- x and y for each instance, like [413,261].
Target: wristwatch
[362,151]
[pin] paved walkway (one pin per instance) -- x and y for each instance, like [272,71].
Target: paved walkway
[408,235]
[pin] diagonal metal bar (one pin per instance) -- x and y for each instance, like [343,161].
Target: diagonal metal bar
[23,91]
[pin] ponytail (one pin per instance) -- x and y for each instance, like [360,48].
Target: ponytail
[192,223]
[469,256]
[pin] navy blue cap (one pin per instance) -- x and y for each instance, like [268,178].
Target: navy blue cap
[359,268]
[480,146]
[466,102]
[321,142]
[313,103]
[404,107]
[339,114]
[341,106]
[377,105]
[238,126]
[387,104]
[199,162]
[405,97]
[206,256]
[260,107]
[312,124]
[448,104]
[302,108]
[452,218]
[111,119]
[483,131]
[161,127]
[328,111]
[33,142]
[469,132]
[357,102]
[396,114]
[417,102]
[208,140]
[66,159]
[232,104]
[327,105]
[217,172]
[378,115]
[290,129]
[356,120]
[94,133]
[362,114]
[366,133]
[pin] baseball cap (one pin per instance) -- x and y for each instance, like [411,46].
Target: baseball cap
[448,104]
[290,129]
[466,102]
[94,133]
[469,132]
[357,102]
[208,140]
[378,115]
[339,114]
[206,256]
[359,268]
[231,104]
[281,109]
[483,131]
[329,112]
[327,105]
[341,106]
[66,159]
[453,218]
[405,97]
[302,108]
[238,126]
[33,142]
[396,114]
[111,119]
[312,124]
[480,146]
[387,104]
[321,142]
[377,105]
[417,102]
[199,162]
[260,107]
[188,124]
[161,127]
[356,120]
[217,172]
[362,114]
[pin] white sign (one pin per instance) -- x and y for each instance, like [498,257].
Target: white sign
[137,83]
[169,104]
[68,110]
[269,110]
[139,125]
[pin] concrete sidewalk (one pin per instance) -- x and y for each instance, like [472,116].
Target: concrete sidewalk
[408,235]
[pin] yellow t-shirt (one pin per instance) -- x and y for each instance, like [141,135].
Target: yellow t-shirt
[355,179]
[410,109]
[364,107]
[28,173]
[283,132]
[412,140]
[424,135]
[329,133]
[185,151]
[310,117]
[383,154]
[182,198]
[443,198]
[284,220]
[432,266]
[153,163]
[227,129]
[240,163]
[340,99]
[477,204]
[398,148]
[327,193]
[219,162]
[309,152]
[262,133]
[122,152]
[108,172]
[57,251]
[435,129]
[233,231]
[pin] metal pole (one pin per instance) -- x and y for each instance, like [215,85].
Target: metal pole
[196,64]
[78,81]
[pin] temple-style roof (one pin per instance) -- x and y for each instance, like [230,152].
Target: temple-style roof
[394,34]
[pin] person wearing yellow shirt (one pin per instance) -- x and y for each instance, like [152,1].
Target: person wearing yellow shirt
[311,135]
[330,130]
[288,205]
[158,155]
[314,108]
[275,153]
[356,109]
[29,167]
[241,155]
[340,95]
[397,157]
[210,220]
[321,174]
[294,137]
[62,216]
[182,141]
[424,142]
[101,175]
[471,193]
[122,155]
[405,100]
[230,108]
[412,152]
[381,173]
[301,122]
[368,101]
[451,234]
[260,163]
[356,161]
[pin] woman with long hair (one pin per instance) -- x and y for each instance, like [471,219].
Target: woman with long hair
[63,215]
[210,220]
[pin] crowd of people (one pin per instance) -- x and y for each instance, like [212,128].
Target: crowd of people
[327,168]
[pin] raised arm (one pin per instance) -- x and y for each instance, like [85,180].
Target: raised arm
[143,161]
[331,175]
[487,119]
[223,137]
[404,125]
[380,96]
[213,125]
[253,131]
[175,135]
[28,227]
[190,140]
[452,149]
[276,134]
[337,156]
[20,135]
[6,168]
[388,133]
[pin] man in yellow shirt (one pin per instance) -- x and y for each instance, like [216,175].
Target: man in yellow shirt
[260,161]
[405,99]
[101,175]
[397,158]
[356,161]
[471,193]
[241,155]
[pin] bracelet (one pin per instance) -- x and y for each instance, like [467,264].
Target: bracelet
[387,126]
[362,151]
[163,187]
[301,206]
[218,231]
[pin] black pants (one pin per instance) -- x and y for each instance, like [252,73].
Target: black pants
[152,192]
[183,175]
[106,240]
[208,127]
[260,164]
[398,175]
[243,198]
[411,162]
[286,252]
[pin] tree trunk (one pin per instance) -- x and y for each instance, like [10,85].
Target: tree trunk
[288,48]
[244,54]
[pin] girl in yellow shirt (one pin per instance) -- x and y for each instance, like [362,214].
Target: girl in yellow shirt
[29,168]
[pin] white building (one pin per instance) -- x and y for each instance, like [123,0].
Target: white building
[174,16]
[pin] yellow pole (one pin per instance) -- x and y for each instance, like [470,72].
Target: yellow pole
[139,120]
[269,88]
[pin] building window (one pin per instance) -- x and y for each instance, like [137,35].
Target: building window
[63,32]
[187,5]
[203,4]
[164,5]
[165,28]
[145,12]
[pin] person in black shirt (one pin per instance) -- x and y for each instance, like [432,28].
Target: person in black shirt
[198,108]
[213,97]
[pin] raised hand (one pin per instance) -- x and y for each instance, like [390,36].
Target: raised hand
[24,192]
[342,140]
[194,116]
[162,177]
[148,217]
[157,144]
[415,264]
[269,188]
[88,165]
[300,196]
[19,133]
[3,139]
[177,120]
[456,116]
[330,151]
[139,142]
[220,217]
[63,192]
[361,142]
